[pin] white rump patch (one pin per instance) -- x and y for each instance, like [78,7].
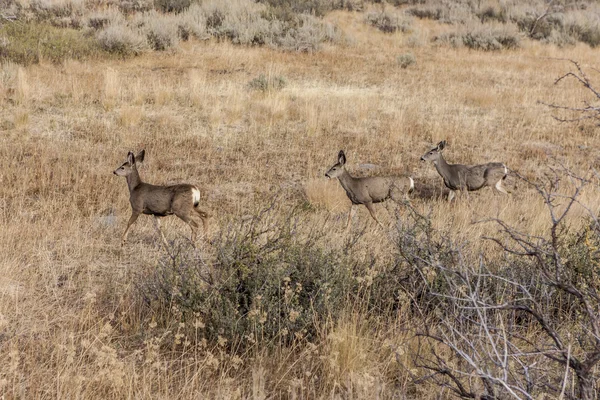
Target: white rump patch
[195,196]
[412,184]
[505,170]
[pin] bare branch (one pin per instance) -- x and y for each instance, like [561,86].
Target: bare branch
[589,111]
[540,17]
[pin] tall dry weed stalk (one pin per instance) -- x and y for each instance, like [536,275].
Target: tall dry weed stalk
[112,88]
[22,87]
[197,84]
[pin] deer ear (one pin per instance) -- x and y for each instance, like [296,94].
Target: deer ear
[441,145]
[140,156]
[130,158]
[341,157]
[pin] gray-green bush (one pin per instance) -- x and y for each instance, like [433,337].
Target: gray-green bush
[306,34]
[484,37]
[445,11]
[122,40]
[389,21]
[266,83]
[162,31]
[176,6]
[192,23]
[486,309]
[267,282]
[405,60]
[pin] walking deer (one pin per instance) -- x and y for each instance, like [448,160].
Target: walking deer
[369,190]
[160,201]
[469,177]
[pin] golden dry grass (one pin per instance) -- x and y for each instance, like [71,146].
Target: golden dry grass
[67,328]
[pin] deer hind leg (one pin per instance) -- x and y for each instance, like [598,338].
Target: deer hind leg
[203,217]
[372,212]
[499,187]
[134,216]
[451,195]
[191,221]
[162,235]
[194,227]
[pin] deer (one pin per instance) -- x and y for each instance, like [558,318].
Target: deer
[369,190]
[470,177]
[160,201]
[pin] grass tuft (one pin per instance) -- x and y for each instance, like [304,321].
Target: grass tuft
[30,43]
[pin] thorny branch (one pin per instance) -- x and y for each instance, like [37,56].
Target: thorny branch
[589,110]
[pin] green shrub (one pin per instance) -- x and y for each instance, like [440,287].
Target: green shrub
[405,60]
[266,282]
[265,83]
[272,279]
[28,43]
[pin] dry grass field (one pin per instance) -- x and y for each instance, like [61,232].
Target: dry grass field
[75,319]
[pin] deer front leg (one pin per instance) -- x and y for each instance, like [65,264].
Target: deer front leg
[350,212]
[162,235]
[134,216]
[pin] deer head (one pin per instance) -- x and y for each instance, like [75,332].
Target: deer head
[435,153]
[338,168]
[128,166]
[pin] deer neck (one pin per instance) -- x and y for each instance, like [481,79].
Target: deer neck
[133,179]
[443,168]
[346,180]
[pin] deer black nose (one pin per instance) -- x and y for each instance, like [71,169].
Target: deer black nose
[115,172]
[422,159]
